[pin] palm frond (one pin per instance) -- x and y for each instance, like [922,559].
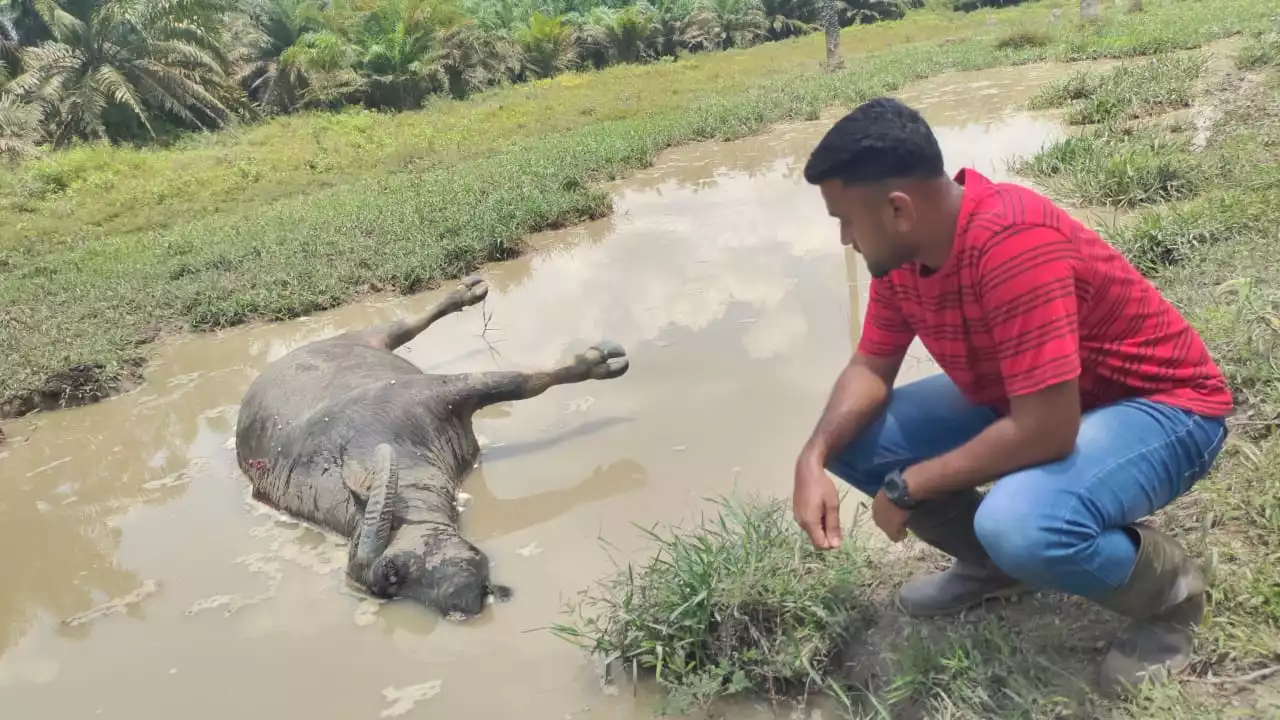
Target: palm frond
[20,131]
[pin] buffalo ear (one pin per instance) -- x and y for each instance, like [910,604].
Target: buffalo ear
[358,480]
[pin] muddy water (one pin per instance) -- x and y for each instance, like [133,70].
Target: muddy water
[139,582]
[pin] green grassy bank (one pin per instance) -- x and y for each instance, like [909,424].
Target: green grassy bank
[1193,153]
[104,248]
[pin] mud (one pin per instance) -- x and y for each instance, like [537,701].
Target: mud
[140,582]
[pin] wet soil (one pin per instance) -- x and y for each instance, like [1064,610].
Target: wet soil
[140,581]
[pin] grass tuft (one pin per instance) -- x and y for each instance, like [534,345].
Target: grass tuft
[1263,50]
[740,604]
[981,670]
[1167,236]
[1133,89]
[1116,170]
[1024,38]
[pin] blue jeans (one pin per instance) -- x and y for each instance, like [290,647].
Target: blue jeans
[1056,526]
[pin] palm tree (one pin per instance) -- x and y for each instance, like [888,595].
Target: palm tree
[112,64]
[548,45]
[787,18]
[262,35]
[499,16]
[733,23]
[632,34]
[9,42]
[20,130]
[397,43]
[328,61]
[591,37]
[831,24]
[627,35]
[471,58]
[680,27]
[869,11]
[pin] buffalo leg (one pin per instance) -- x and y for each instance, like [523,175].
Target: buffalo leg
[602,361]
[394,334]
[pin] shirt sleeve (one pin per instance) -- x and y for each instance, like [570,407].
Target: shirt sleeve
[886,332]
[1026,284]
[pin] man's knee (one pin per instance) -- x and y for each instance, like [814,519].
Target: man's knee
[1017,534]
[855,465]
[924,418]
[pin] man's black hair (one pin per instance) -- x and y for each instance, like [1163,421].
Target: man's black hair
[882,139]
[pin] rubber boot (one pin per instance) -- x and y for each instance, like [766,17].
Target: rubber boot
[947,524]
[1164,599]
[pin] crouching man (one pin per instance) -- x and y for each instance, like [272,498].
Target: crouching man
[1068,382]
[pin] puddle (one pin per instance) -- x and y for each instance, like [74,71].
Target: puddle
[720,274]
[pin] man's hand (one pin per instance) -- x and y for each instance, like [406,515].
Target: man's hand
[860,393]
[889,517]
[816,505]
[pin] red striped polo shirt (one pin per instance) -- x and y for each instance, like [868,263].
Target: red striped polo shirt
[1030,297]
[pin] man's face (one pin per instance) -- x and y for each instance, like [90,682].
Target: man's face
[874,221]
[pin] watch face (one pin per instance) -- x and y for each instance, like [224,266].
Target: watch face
[894,488]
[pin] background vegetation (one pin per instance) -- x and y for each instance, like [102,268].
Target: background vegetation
[307,210]
[139,70]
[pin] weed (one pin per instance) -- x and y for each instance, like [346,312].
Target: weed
[1168,236]
[1076,86]
[974,671]
[1024,38]
[1131,90]
[1262,51]
[741,603]
[1106,168]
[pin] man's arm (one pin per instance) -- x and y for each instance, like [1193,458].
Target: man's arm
[1040,428]
[864,385]
[1026,288]
[860,393]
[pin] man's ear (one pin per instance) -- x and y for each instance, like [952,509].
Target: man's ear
[902,214]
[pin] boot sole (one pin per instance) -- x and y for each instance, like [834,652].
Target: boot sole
[1005,594]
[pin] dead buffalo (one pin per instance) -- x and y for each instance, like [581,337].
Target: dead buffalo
[347,435]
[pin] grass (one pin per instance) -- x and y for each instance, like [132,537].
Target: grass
[1024,38]
[105,248]
[1173,235]
[982,670]
[1132,90]
[1263,49]
[1212,253]
[738,604]
[1115,170]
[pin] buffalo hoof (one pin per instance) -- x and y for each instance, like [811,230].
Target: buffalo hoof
[471,290]
[607,359]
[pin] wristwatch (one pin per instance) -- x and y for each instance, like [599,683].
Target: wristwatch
[895,488]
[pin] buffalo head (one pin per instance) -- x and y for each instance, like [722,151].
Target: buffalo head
[427,562]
